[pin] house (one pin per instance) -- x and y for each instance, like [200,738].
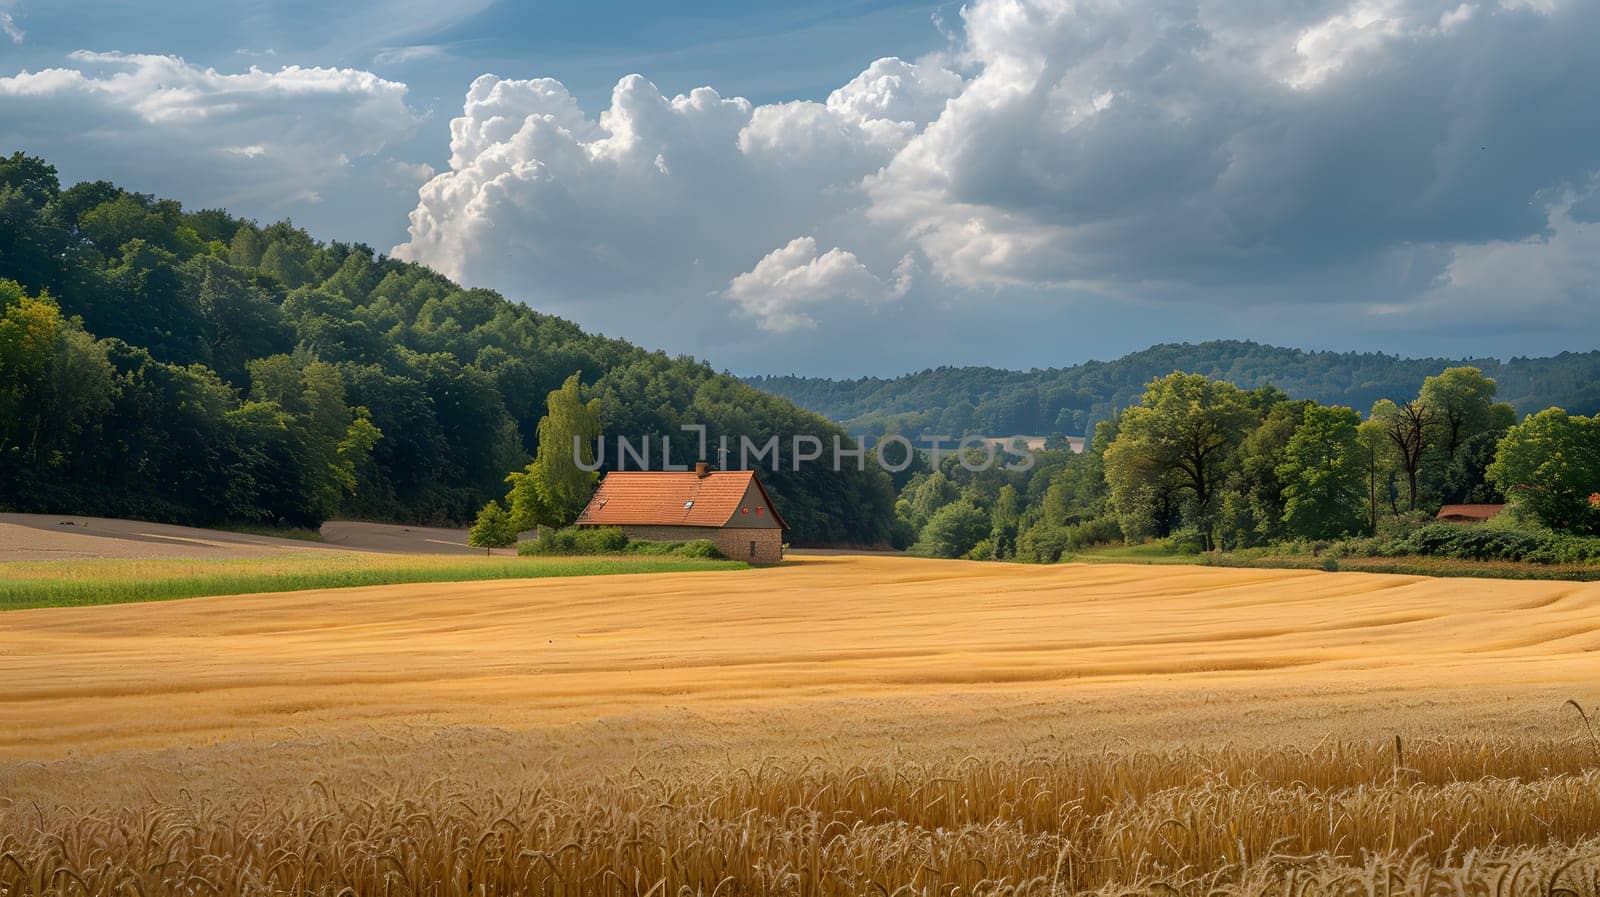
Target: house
[1469,513]
[729,507]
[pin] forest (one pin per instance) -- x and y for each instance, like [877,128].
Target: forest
[961,401]
[1202,465]
[194,367]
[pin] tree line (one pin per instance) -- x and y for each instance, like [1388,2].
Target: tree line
[1205,463]
[198,368]
[961,401]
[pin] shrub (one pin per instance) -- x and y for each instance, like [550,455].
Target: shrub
[1483,543]
[699,548]
[694,548]
[1361,546]
[648,547]
[1099,531]
[612,540]
[1397,525]
[952,531]
[1042,543]
[599,540]
[1185,541]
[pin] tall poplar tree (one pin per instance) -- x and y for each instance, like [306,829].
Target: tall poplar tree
[553,490]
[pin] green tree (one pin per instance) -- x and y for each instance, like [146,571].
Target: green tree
[953,530]
[152,304]
[55,381]
[245,249]
[1252,508]
[242,317]
[1549,465]
[287,263]
[1377,468]
[1042,543]
[1461,401]
[492,529]
[29,326]
[340,438]
[553,490]
[69,399]
[33,244]
[112,225]
[1322,475]
[928,495]
[1075,490]
[267,468]
[335,440]
[1410,429]
[1005,519]
[1173,452]
[1467,477]
[32,177]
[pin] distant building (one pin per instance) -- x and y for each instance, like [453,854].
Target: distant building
[1469,513]
[729,507]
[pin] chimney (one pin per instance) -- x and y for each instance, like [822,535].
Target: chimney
[702,469]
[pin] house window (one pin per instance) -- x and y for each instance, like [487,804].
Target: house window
[752,549]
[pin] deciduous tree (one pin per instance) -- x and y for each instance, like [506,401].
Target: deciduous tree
[1322,475]
[1409,427]
[492,529]
[1461,401]
[1550,465]
[553,490]
[953,530]
[1178,442]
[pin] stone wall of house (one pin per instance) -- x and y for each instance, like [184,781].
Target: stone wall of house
[758,546]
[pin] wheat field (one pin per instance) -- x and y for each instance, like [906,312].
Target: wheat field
[839,725]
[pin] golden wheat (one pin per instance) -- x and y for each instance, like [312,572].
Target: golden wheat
[1457,817]
[839,726]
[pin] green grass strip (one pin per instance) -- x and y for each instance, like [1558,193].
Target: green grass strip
[34,584]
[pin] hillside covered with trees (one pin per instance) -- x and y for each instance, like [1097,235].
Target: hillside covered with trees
[990,401]
[1203,465]
[197,368]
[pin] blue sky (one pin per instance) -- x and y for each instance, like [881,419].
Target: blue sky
[848,188]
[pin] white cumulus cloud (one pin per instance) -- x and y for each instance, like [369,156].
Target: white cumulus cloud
[658,200]
[256,138]
[795,275]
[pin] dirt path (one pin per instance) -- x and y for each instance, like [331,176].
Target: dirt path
[821,644]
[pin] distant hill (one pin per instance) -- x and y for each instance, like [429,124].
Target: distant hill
[192,367]
[994,401]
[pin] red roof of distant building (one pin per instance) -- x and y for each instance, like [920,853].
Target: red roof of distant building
[672,498]
[1469,512]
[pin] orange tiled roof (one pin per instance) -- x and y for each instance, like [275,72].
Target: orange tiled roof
[1470,512]
[671,498]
